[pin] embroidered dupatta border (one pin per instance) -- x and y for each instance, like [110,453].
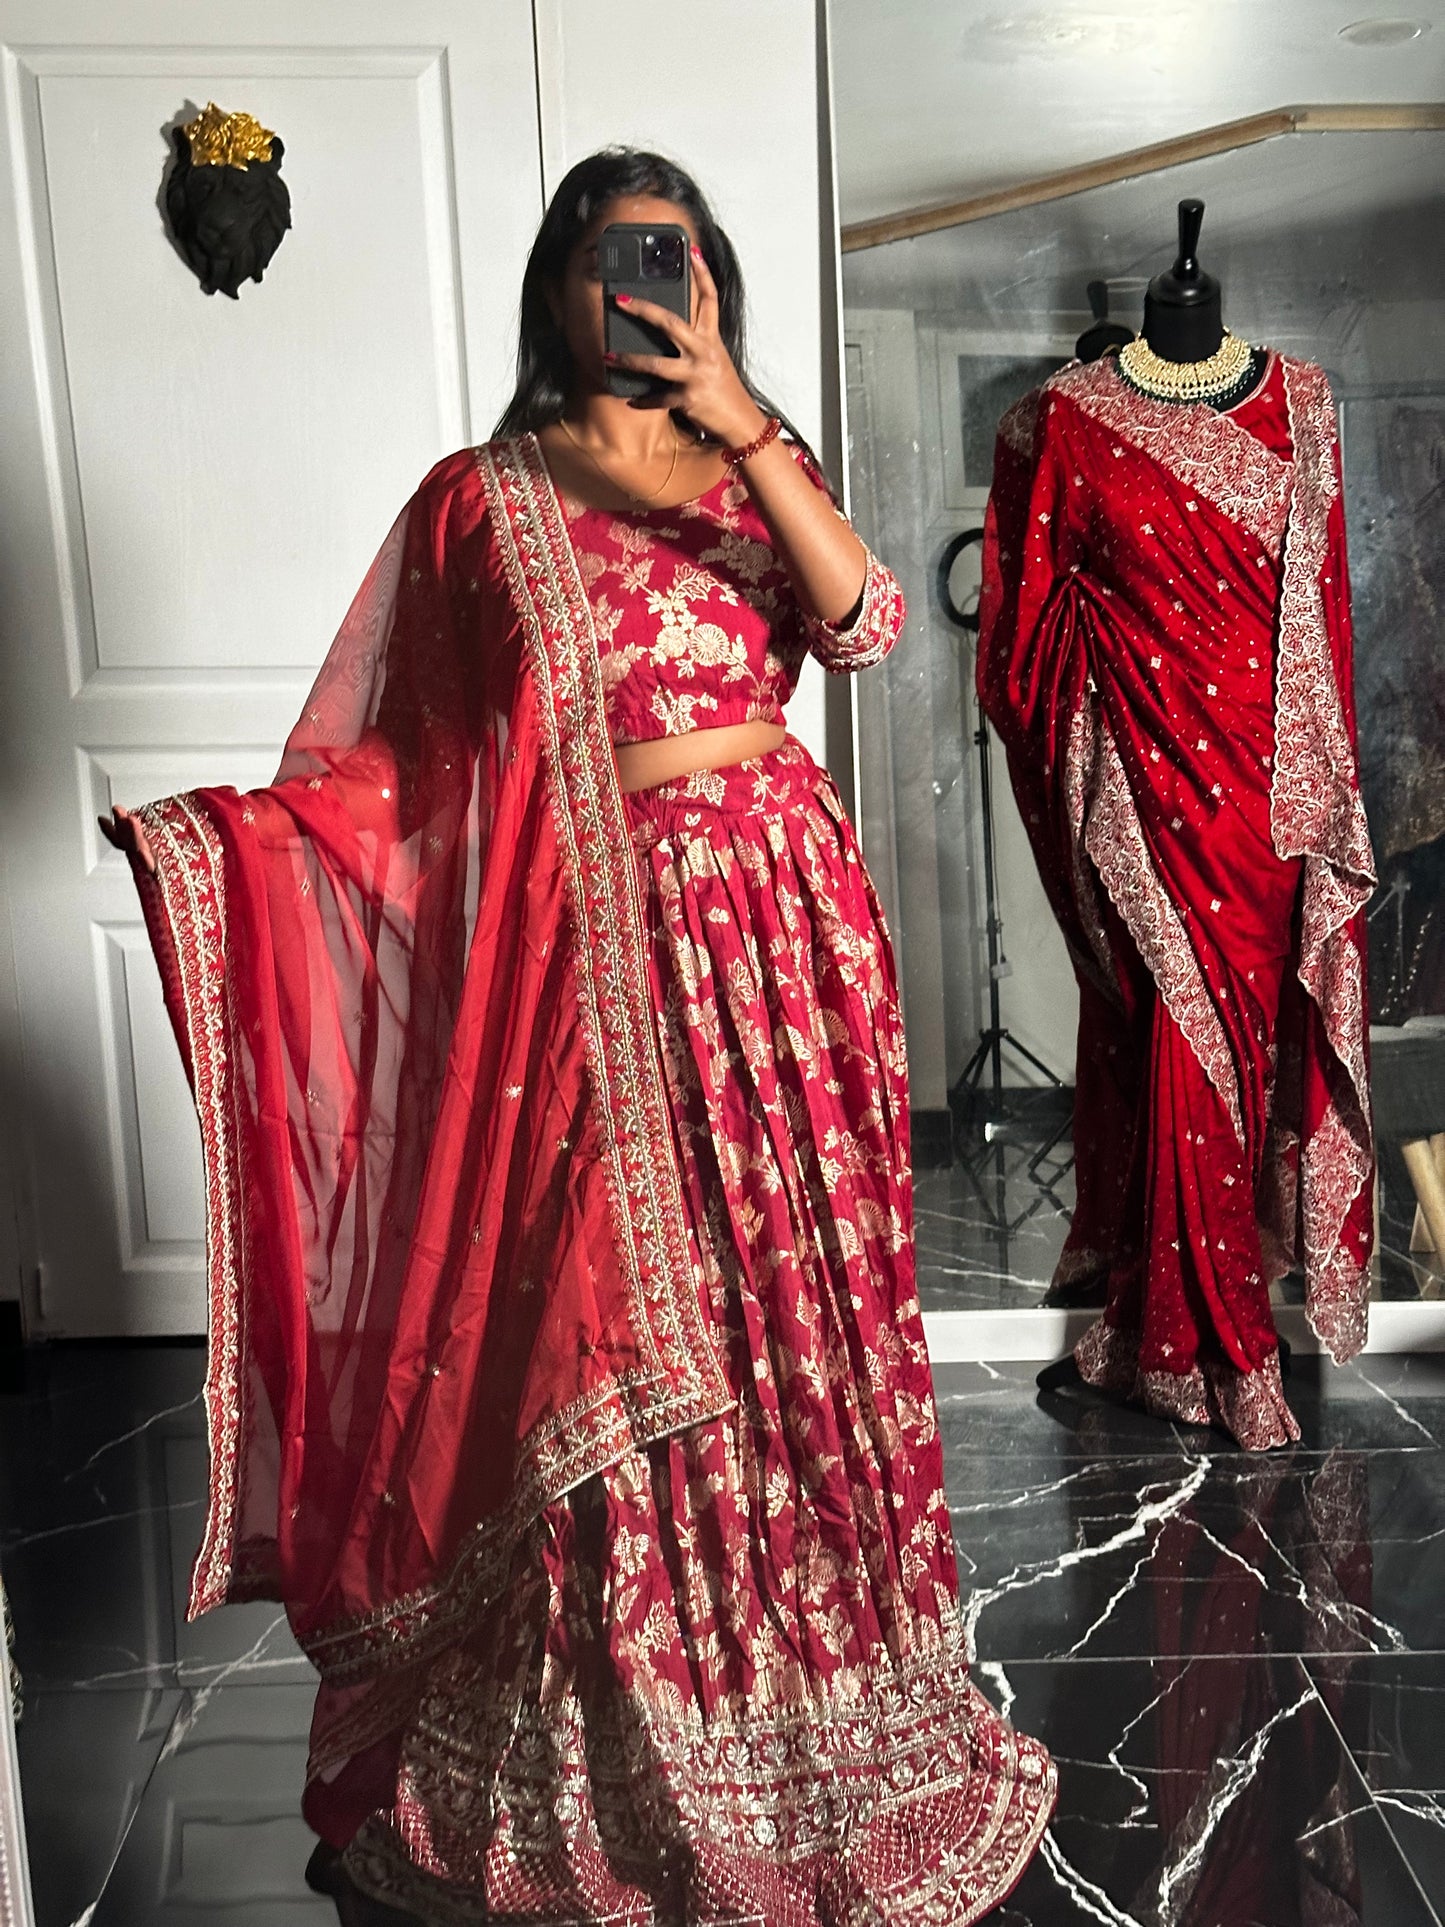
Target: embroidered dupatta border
[682,1383]
[190,874]
[644,1186]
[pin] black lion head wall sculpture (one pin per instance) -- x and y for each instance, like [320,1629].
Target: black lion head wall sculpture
[226,202]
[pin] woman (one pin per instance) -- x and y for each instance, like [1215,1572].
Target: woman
[567,1373]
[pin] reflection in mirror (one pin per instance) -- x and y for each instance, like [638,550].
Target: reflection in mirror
[16,1908]
[1317,244]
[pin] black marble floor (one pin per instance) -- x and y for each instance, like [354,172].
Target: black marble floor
[1238,1662]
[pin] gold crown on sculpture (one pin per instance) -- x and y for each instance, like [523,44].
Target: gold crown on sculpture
[227,140]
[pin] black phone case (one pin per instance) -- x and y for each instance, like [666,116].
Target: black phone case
[624,334]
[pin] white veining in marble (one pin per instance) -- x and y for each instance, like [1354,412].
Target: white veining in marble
[1336,1820]
[1092,1900]
[1407,1418]
[1139,1814]
[998,1679]
[1417,1803]
[171,1411]
[1135,1531]
[202,1696]
[167,1509]
[1228,1778]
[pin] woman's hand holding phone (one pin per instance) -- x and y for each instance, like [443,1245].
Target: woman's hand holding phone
[700,379]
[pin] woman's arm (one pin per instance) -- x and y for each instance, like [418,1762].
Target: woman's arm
[827,562]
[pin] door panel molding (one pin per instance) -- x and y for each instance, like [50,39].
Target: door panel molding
[147,771]
[195,487]
[155,1149]
[31,76]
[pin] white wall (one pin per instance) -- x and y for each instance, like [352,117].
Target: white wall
[194,486]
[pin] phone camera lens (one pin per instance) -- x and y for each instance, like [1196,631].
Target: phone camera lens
[662,257]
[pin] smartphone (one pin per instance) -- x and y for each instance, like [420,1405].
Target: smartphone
[651,264]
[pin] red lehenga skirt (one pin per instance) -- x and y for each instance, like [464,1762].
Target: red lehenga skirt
[727,1678]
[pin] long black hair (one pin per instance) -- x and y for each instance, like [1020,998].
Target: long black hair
[544,361]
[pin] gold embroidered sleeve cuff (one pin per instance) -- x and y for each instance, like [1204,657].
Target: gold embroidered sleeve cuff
[871,633]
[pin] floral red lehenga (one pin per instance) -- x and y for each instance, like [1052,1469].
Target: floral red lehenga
[1166,652]
[567,1378]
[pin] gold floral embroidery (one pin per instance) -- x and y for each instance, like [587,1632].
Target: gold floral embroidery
[190,873]
[660,608]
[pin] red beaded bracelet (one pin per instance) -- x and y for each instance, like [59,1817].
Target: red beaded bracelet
[735,457]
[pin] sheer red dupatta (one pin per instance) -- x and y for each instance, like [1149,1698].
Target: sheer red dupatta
[449,1269]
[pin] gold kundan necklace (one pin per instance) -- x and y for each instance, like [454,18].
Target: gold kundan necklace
[1203,380]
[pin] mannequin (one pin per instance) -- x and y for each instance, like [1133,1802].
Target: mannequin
[1164,650]
[1183,317]
[1184,325]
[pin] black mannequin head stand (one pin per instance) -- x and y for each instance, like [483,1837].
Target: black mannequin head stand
[1183,317]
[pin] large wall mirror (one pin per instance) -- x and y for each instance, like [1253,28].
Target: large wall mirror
[1321,236]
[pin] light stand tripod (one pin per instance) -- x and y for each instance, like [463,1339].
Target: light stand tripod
[963,1096]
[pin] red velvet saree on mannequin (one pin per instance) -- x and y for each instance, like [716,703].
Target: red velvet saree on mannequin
[1166,653]
[567,1375]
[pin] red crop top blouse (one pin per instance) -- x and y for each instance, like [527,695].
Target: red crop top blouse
[697,623]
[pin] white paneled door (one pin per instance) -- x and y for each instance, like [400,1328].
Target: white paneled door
[192,488]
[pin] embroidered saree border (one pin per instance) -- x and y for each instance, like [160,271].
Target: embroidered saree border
[1313,813]
[1113,836]
[1081,756]
[1207,451]
[190,872]
[644,1186]
[1316,813]
[1251,1405]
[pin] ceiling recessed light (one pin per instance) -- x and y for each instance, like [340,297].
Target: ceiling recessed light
[1383,33]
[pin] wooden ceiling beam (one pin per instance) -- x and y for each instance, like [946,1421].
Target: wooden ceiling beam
[1347,118]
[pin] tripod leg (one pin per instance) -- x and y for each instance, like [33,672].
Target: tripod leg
[1023,1051]
[973,1070]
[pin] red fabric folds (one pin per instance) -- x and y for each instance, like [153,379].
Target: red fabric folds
[567,1378]
[413,1000]
[1166,653]
[727,1678]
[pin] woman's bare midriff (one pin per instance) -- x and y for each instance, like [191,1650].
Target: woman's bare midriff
[640,766]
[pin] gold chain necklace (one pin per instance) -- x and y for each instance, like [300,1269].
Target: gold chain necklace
[1203,380]
[606,474]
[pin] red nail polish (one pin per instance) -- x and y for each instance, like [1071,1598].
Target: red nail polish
[623,300]
[696,253]
[609,356]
